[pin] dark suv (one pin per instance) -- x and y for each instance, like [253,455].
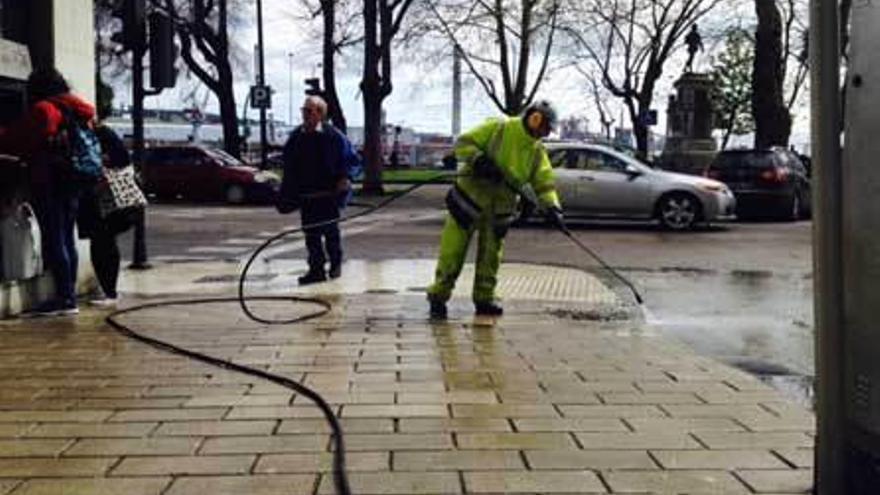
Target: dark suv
[772,182]
[197,172]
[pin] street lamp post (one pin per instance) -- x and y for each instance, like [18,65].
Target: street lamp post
[290,88]
[262,77]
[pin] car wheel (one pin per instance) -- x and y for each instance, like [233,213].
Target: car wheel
[235,194]
[678,211]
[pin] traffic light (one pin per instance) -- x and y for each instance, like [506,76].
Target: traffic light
[314,86]
[133,16]
[163,52]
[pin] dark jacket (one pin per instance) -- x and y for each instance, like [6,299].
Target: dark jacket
[315,162]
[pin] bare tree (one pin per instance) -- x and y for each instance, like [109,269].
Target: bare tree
[203,29]
[629,43]
[498,40]
[339,23]
[795,68]
[382,22]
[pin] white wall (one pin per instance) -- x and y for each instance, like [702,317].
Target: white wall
[74,44]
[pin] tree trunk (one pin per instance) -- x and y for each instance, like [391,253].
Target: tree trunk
[370,87]
[334,109]
[772,118]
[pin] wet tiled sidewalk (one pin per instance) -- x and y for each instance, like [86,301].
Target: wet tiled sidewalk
[536,404]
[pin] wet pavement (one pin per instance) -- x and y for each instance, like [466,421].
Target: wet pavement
[551,398]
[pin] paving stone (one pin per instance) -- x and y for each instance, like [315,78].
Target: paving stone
[589,459]
[782,481]
[239,400]
[799,458]
[32,447]
[518,441]
[195,414]
[322,462]
[424,425]
[395,411]
[610,411]
[273,412]
[27,468]
[732,411]
[735,440]
[54,416]
[294,484]
[504,411]
[638,441]
[264,444]
[92,430]
[674,482]
[397,483]
[683,424]
[184,465]
[349,425]
[6,486]
[764,424]
[214,428]
[717,459]
[454,397]
[399,441]
[95,486]
[457,460]
[570,424]
[91,447]
[12,430]
[650,398]
[523,481]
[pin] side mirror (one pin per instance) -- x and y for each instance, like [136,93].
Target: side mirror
[632,172]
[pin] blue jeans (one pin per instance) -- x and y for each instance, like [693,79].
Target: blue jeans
[57,216]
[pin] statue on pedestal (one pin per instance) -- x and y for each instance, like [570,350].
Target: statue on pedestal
[694,43]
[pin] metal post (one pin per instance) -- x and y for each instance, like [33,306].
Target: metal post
[262,77]
[831,432]
[139,240]
[456,92]
[290,89]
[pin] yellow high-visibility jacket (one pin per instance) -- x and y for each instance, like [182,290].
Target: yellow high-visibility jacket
[520,157]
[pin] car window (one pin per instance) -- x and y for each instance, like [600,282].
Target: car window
[597,161]
[743,160]
[557,158]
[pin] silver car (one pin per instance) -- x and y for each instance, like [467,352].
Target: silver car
[598,181]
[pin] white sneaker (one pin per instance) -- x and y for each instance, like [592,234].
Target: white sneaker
[105,302]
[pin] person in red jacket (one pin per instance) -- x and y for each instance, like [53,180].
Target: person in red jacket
[53,194]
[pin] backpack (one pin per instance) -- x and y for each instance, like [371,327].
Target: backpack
[78,145]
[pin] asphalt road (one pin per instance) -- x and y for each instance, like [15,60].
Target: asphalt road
[740,292]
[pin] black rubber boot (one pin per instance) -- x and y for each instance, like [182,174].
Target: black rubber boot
[438,310]
[312,277]
[335,271]
[488,309]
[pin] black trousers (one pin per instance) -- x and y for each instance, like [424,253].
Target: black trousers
[105,251]
[324,241]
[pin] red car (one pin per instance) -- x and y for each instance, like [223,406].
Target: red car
[196,172]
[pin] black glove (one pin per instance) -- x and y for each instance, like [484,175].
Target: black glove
[285,206]
[485,168]
[554,216]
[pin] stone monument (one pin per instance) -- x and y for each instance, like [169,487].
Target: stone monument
[690,146]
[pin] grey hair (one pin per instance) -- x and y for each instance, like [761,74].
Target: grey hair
[318,102]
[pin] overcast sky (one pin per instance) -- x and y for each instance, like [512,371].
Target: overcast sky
[422,96]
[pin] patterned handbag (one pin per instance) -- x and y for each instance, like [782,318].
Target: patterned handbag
[119,191]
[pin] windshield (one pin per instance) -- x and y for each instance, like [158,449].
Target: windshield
[227,159]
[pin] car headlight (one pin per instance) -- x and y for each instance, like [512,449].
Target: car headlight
[266,177]
[715,187]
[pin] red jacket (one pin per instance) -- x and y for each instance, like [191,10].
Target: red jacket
[28,138]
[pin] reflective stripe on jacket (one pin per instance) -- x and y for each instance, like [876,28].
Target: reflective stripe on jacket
[521,158]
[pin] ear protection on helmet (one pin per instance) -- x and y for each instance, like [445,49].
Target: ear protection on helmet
[535,120]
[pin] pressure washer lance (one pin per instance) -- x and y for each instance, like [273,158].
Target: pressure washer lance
[528,194]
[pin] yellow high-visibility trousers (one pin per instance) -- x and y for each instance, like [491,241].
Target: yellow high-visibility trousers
[454,242]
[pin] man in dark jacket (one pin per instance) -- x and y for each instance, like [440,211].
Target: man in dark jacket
[319,163]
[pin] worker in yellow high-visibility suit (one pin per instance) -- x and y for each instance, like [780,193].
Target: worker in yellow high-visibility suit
[497,160]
